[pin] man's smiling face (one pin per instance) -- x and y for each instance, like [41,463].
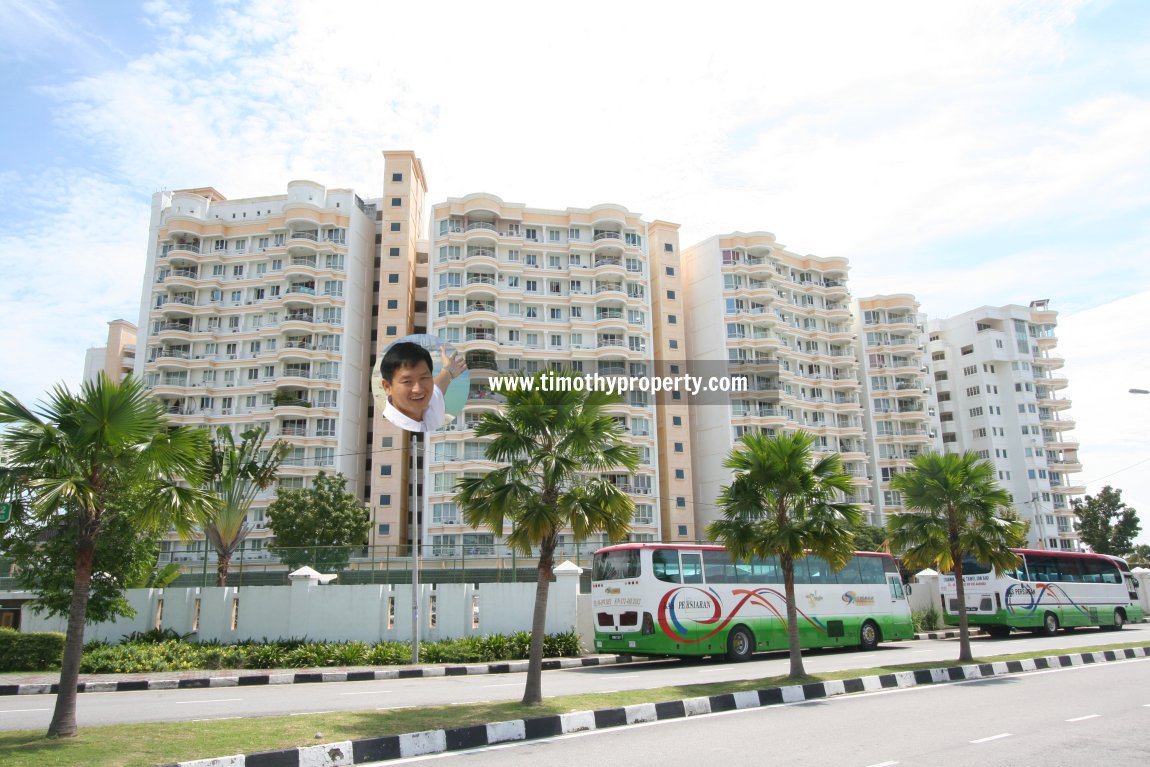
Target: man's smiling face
[410,389]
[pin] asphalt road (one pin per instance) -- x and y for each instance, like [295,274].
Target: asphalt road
[34,711]
[1074,717]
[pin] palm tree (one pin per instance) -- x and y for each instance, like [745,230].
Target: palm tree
[82,452]
[955,508]
[235,474]
[782,504]
[553,443]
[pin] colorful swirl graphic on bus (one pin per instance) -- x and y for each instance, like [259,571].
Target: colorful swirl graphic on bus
[1026,599]
[690,608]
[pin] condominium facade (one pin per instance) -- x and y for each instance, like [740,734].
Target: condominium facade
[781,322]
[998,380]
[901,409]
[255,312]
[520,290]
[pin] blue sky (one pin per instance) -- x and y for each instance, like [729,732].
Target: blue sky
[970,153]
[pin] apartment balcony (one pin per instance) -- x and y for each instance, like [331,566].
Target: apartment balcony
[181,247]
[481,255]
[1056,424]
[606,265]
[298,318]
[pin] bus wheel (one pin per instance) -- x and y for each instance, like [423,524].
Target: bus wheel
[998,632]
[1119,621]
[1049,625]
[740,644]
[868,636]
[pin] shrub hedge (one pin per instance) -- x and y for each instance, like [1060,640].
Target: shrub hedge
[30,652]
[167,654]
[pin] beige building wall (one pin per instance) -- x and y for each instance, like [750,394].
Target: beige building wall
[400,309]
[117,358]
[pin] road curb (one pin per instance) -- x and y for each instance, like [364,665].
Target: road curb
[314,677]
[430,742]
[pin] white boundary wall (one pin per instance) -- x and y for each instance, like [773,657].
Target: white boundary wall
[369,613]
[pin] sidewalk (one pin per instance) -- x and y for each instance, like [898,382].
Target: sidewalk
[45,683]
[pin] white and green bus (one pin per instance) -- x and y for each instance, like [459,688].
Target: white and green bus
[684,600]
[1047,591]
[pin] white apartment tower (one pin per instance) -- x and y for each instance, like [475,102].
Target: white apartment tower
[520,290]
[783,323]
[255,312]
[901,410]
[998,384]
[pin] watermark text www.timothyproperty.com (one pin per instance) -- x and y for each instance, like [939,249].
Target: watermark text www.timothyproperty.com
[692,385]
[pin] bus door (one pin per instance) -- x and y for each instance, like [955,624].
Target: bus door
[897,593]
[1131,586]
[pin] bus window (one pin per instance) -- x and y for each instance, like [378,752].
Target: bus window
[719,567]
[1068,570]
[1042,567]
[819,571]
[802,574]
[765,570]
[665,565]
[1100,571]
[850,573]
[871,570]
[692,567]
[613,565]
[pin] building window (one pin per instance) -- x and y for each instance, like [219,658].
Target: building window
[393,303]
[668,247]
[678,447]
[396,202]
[681,502]
[385,470]
[393,252]
[674,345]
[397,177]
[392,330]
[671,295]
[385,529]
[676,420]
[385,500]
[671,318]
[682,529]
[385,442]
[393,279]
[395,225]
[680,474]
[676,395]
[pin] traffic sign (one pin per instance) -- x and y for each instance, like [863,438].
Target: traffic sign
[5,512]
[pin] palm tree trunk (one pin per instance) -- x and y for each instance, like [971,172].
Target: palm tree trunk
[797,669]
[964,654]
[223,561]
[533,690]
[63,723]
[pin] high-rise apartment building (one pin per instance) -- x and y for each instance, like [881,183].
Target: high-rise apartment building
[997,381]
[898,393]
[256,312]
[273,311]
[781,322]
[116,358]
[521,290]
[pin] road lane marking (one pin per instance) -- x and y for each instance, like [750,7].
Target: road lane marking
[367,692]
[216,719]
[992,737]
[1084,718]
[883,764]
[212,700]
[311,713]
[21,710]
[510,684]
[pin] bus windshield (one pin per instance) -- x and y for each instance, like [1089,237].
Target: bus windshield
[613,565]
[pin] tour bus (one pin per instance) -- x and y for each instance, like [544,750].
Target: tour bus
[693,599]
[1048,590]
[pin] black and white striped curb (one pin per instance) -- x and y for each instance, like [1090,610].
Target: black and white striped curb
[415,744]
[136,685]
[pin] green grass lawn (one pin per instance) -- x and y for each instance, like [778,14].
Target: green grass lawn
[139,745]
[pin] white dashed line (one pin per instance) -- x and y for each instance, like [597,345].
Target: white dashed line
[992,737]
[1084,718]
[213,700]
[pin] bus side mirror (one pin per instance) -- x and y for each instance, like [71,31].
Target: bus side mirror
[909,588]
